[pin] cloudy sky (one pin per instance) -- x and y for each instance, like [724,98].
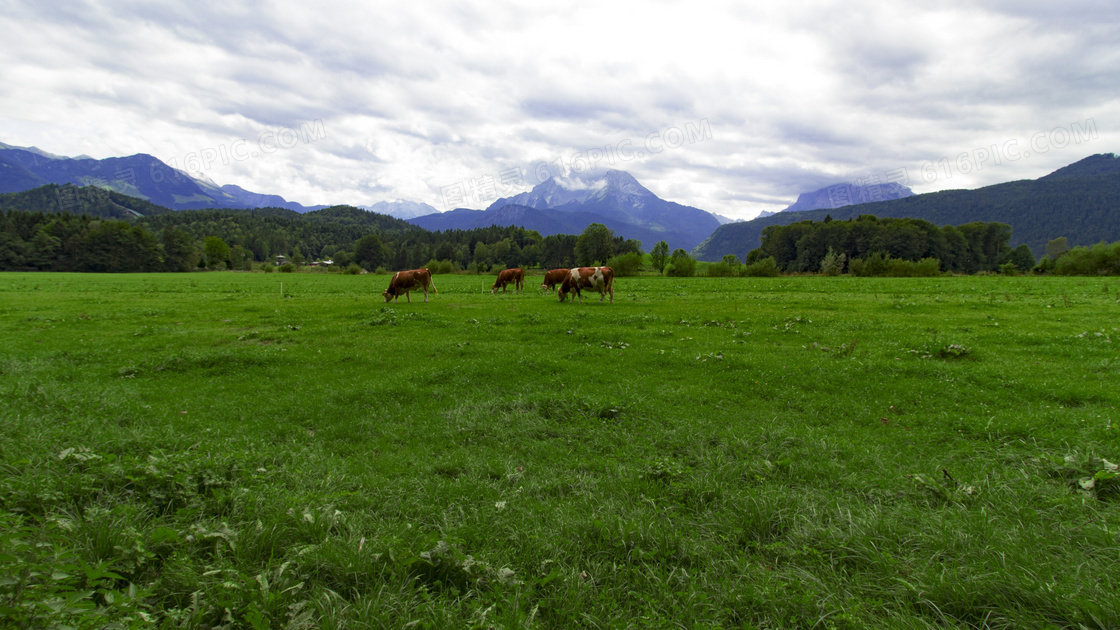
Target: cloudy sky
[733,109]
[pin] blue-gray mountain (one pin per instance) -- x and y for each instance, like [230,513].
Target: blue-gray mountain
[840,195]
[140,175]
[567,205]
[1080,201]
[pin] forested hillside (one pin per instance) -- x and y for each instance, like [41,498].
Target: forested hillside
[112,232]
[1080,202]
[88,200]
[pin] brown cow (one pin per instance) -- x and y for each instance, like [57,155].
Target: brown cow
[553,278]
[406,281]
[600,279]
[509,276]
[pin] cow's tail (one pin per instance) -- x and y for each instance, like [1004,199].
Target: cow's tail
[432,281]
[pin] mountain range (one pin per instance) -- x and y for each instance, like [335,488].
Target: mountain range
[566,205]
[140,175]
[1080,201]
[557,205]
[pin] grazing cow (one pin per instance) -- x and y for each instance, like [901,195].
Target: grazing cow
[599,279]
[553,278]
[509,276]
[406,281]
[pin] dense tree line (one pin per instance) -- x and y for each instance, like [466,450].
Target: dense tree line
[68,242]
[220,239]
[968,248]
[262,234]
[1096,260]
[69,228]
[36,235]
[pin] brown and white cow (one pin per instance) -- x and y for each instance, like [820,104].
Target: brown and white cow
[553,278]
[600,279]
[406,281]
[516,277]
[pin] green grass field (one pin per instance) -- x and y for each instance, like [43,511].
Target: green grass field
[202,451]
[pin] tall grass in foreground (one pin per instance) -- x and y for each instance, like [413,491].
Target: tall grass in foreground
[204,451]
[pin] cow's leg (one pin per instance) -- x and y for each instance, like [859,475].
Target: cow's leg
[408,296]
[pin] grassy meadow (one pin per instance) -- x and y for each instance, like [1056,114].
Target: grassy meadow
[212,450]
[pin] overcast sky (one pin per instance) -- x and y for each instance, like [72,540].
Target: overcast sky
[733,109]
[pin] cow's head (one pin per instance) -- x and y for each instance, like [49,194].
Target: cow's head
[388,295]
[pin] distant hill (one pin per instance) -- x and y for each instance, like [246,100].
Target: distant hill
[569,204]
[142,176]
[1080,201]
[106,204]
[332,224]
[249,199]
[350,215]
[90,200]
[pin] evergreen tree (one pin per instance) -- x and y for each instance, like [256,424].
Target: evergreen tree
[179,253]
[558,250]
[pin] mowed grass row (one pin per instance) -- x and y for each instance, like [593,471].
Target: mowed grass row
[207,449]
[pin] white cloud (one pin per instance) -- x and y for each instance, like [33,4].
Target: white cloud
[415,97]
